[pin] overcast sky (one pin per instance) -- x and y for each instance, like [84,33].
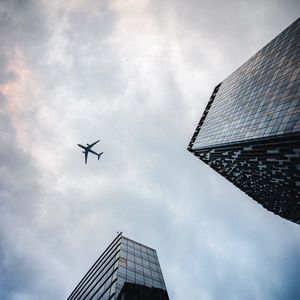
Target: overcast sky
[136,74]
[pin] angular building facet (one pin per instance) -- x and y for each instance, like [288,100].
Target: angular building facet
[250,129]
[126,270]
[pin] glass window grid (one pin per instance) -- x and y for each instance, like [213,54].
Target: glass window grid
[124,260]
[102,277]
[265,89]
[104,266]
[142,265]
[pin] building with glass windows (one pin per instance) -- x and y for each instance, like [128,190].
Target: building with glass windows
[250,129]
[126,270]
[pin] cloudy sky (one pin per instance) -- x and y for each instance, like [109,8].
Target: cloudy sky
[137,74]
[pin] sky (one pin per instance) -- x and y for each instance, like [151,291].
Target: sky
[136,74]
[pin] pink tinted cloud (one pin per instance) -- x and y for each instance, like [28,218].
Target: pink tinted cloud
[20,94]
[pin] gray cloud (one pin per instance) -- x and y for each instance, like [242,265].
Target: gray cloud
[135,75]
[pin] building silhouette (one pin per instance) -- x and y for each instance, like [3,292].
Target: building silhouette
[249,131]
[126,270]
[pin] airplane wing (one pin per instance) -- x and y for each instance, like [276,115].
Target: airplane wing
[86,156]
[81,146]
[93,152]
[91,145]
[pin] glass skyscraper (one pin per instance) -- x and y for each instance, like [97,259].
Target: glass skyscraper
[126,270]
[249,132]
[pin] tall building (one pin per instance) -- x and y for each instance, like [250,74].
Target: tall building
[249,131]
[126,270]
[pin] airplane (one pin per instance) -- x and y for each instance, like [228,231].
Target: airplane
[87,149]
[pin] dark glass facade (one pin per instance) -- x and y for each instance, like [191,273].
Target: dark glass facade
[123,261]
[133,291]
[250,129]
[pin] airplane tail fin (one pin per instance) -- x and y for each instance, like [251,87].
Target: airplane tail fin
[99,155]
